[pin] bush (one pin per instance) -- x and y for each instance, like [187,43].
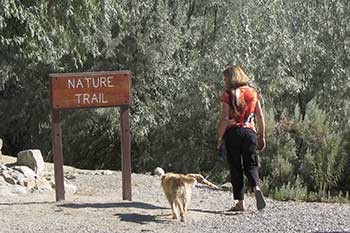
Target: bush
[291,192]
[321,160]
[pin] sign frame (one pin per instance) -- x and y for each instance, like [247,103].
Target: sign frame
[107,85]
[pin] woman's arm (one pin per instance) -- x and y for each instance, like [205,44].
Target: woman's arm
[223,123]
[261,126]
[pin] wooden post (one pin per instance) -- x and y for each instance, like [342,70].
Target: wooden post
[125,152]
[57,155]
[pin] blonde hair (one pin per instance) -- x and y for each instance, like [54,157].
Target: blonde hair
[236,76]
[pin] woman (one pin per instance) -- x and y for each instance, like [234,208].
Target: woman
[240,104]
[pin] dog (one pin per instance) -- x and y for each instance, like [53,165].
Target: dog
[178,191]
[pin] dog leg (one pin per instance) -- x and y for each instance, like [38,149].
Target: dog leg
[187,201]
[173,210]
[172,205]
[181,210]
[171,201]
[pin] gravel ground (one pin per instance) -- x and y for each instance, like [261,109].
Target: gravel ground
[98,207]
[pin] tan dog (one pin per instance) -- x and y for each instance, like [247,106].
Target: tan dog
[178,191]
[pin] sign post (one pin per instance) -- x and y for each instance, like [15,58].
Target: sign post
[91,90]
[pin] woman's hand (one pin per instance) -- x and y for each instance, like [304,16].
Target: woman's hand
[218,144]
[261,143]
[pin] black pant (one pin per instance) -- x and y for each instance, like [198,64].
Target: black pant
[241,147]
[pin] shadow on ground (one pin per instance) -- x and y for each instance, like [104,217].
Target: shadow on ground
[127,217]
[140,218]
[138,205]
[221,212]
[26,203]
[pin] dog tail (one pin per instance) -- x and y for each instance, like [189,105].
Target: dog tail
[202,180]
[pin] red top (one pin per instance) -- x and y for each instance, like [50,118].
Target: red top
[244,100]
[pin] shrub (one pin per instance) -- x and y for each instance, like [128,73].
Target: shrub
[290,191]
[321,163]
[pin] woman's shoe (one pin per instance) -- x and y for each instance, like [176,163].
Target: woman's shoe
[236,208]
[260,200]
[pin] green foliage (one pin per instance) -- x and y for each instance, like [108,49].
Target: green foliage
[265,186]
[278,160]
[321,165]
[290,191]
[344,183]
[99,128]
[322,196]
[306,153]
[189,137]
[295,52]
[25,107]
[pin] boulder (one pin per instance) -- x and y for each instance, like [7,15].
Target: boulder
[26,171]
[17,174]
[32,159]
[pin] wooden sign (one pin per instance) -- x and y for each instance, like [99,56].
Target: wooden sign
[87,90]
[90,89]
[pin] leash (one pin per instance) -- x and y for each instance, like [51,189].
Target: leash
[212,170]
[221,158]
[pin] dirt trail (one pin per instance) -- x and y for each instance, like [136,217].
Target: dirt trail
[98,207]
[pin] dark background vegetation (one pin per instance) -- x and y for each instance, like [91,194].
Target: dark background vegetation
[295,52]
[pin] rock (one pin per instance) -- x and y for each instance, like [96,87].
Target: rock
[69,188]
[19,190]
[26,171]
[158,171]
[32,159]
[2,168]
[70,176]
[2,180]
[8,190]
[20,179]
[226,187]
[10,180]
[29,184]
[107,172]
[17,175]
[8,177]
[42,186]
